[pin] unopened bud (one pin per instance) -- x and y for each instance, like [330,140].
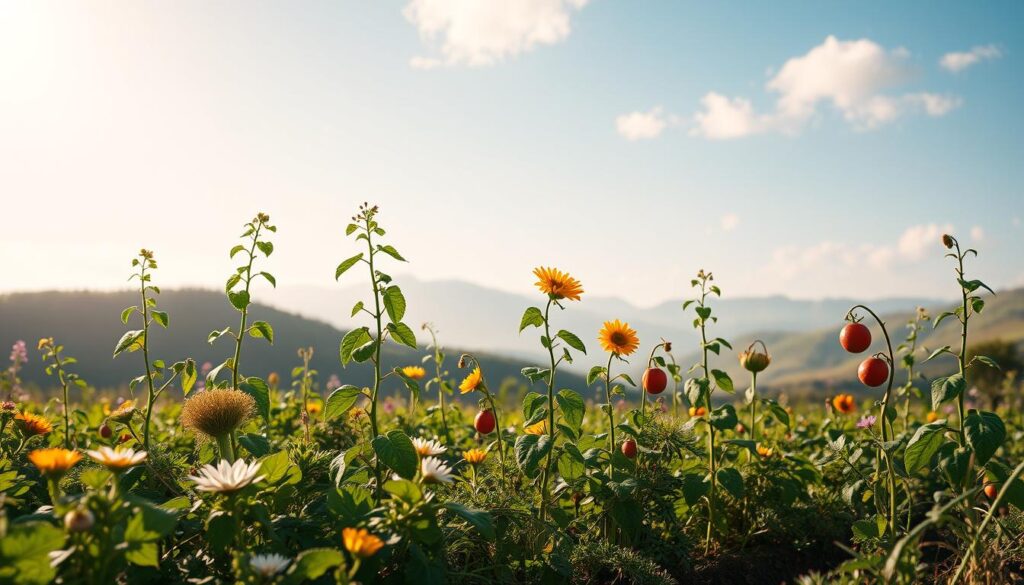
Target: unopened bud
[947,240]
[79,520]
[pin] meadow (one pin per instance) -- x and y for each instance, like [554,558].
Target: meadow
[686,474]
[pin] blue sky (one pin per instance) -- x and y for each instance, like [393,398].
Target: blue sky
[490,134]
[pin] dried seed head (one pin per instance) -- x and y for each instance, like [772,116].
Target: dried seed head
[947,241]
[217,412]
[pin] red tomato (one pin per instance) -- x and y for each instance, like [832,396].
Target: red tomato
[105,431]
[484,422]
[991,490]
[855,337]
[873,372]
[629,448]
[654,380]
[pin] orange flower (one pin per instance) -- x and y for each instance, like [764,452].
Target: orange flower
[698,411]
[844,403]
[932,416]
[54,462]
[360,542]
[31,425]
[557,284]
[475,456]
[414,372]
[314,407]
[618,338]
[540,428]
[472,381]
[764,451]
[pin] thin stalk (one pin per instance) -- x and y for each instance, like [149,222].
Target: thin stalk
[245,311]
[611,417]
[64,386]
[551,411]
[151,397]
[753,406]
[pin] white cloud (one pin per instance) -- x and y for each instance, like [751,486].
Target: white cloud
[916,241]
[425,63]
[977,233]
[851,76]
[478,33]
[730,221]
[958,61]
[641,125]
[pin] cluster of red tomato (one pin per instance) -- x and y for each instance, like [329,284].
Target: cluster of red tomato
[855,338]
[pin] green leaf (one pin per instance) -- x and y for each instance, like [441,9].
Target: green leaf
[127,313]
[214,335]
[312,564]
[694,488]
[356,308]
[937,353]
[571,464]
[188,376]
[260,392]
[696,390]
[266,247]
[352,340]
[595,373]
[573,341]
[236,249]
[24,553]
[402,334]
[946,389]
[724,417]
[404,490]
[239,300]
[340,401]
[351,229]
[391,251]
[278,469]
[732,481]
[130,341]
[572,408]
[262,329]
[925,443]
[256,445]
[723,381]
[270,278]
[231,282]
[344,266]
[394,303]
[219,530]
[479,519]
[985,432]
[531,318]
[161,318]
[146,526]
[530,450]
[397,452]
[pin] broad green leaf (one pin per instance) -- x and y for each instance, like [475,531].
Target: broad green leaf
[925,443]
[312,564]
[723,381]
[530,450]
[344,266]
[397,452]
[262,329]
[479,519]
[394,303]
[946,389]
[573,341]
[260,392]
[130,341]
[985,432]
[732,481]
[724,417]
[352,340]
[391,251]
[531,318]
[239,300]
[340,401]
[161,318]
[402,334]
[572,408]
[24,552]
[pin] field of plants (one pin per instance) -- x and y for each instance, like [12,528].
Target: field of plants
[196,474]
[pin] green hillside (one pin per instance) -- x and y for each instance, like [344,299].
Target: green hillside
[79,319]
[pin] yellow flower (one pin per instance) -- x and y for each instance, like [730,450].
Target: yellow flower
[844,403]
[414,372]
[540,428]
[932,416]
[557,284]
[618,338]
[314,407]
[765,452]
[472,381]
[54,462]
[44,342]
[698,411]
[31,425]
[475,456]
[124,412]
[360,542]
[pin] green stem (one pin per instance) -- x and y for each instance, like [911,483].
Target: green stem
[611,417]
[151,396]
[551,411]
[753,406]
[245,310]
[225,448]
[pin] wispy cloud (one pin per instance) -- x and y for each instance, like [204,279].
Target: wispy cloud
[641,125]
[958,61]
[477,33]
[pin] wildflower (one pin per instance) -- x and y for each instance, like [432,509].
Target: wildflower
[314,407]
[226,477]
[475,456]
[932,416]
[557,284]
[31,425]
[205,369]
[217,412]
[472,381]
[19,354]
[117,459]
[54,463]
[425,447]
[269,565]
[414,372]
[753,360]
[844,403]
[7,407]
[79,520]
[333,382]
[273,379]
[698,411]
[388,406]
[44,342]
[765,451]
[947,241]
[540,428]
[866,422]
[360,543]
[433,470]
[124,412]
[618,338]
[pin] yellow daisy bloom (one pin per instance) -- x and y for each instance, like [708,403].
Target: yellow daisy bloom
[472,381]
[31,425]
[765,452]
[314,407]
[618,338]
[475,456]
[360,542]
[557,284]
[54,462]
[414,372]
[540,428]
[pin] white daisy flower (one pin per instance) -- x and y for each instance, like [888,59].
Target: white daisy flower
[433,470]
[226,477]
[117,459]
[427,447]
[269,565]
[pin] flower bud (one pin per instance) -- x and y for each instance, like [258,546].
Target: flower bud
[79,520]
[753,360]
[947,240]
[668,346]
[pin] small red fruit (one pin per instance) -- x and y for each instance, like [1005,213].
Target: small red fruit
[654,380]
[484,422]
[855,337]
[629,448]
[991,490]
[105,431]
[125,437]
[873,372]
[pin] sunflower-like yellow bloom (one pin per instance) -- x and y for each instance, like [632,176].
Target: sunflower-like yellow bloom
[124,412]
[54,462]
[475,456]
[472,381]
[414,372]
[360,542]
[844,403]
[618,338]
[314,407]
[557,284]
[31,425]
[540,428]
[764,451]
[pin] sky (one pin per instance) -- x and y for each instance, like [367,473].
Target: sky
[812,149]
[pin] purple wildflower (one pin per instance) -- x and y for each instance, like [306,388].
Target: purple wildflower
[867,422]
